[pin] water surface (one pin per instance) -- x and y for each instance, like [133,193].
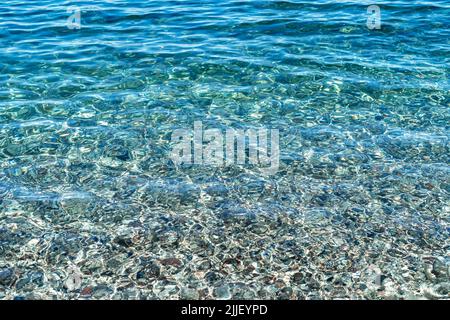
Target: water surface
[358,209]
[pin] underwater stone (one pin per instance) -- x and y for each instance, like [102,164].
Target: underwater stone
[259,228]
[171,262]
[189,294]
[13,150]
[212,277]
[86,291]
[33,278]
[285,293]
[7,276]
[168,237]
[102,291]
[217,190]
[150,270]
[236,214]
[440,268]
[124,241]
[222,292]
[297,277]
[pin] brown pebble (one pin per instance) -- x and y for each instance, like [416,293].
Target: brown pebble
[279,284]
[87,291]
[203,293]
[429,186]
[250,269]
[268,279]
[297,277]
[232,261]
[171,262]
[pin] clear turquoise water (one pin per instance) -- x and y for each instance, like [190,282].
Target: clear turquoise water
[86,183]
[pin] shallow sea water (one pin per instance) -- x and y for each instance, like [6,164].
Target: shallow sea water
[92,207]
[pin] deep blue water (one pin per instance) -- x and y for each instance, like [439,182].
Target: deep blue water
[87,186]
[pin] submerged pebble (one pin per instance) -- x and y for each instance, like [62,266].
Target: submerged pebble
[93,206]
[7,276]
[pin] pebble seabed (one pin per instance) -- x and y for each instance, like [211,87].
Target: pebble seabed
[91,207]
[251,238]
